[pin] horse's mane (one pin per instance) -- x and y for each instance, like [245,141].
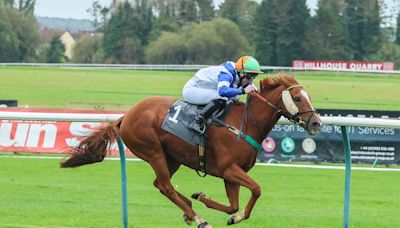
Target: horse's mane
[280,79]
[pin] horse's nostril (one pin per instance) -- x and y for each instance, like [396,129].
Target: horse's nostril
[316,125]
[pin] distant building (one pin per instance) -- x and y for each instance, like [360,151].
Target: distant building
[67,38]
[69,43]
[47,34]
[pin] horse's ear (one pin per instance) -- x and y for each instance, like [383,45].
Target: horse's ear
[262,84]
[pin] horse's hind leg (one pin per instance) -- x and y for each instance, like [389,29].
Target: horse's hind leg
[232,191]
[160,167]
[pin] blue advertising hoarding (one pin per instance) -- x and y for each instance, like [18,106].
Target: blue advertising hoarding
[368,144]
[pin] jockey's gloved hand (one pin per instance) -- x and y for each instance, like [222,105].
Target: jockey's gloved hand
[249,88]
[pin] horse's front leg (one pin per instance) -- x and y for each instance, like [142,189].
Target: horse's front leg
[237,175]
[232,191]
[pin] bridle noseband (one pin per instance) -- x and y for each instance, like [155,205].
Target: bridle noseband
[296,118]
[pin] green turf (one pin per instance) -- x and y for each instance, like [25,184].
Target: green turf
[119,89]
[36,193]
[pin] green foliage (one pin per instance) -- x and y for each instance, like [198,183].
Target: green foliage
[163,24]
[207,43]
[19,36]
[25,6]
[39,194]
[206,10]
[131,51]
[326,36]
[187,12]
[98,15]
[9,42]
[88,49]
[363,26]
[127,31]
[389,52]
[56,51]
[398,30]
[169,48]
[243,13]
[281,27]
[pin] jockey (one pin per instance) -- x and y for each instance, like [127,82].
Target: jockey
[213,86]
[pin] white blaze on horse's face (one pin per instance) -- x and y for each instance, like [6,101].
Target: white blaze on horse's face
[289,103]
[305,94]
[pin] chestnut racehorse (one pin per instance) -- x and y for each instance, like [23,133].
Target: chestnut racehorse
[227,157]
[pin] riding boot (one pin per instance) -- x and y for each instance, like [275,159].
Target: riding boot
[201,119]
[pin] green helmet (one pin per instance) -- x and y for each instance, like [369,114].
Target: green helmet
[248,64]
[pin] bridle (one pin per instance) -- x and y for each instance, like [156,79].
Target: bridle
[295,118]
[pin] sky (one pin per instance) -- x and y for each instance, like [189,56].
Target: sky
[77,8]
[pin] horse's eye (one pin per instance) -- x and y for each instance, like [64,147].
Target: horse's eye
[297,99]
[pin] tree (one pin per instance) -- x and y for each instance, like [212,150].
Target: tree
[243,13]
[163,24]
[88,49]
[363,27]
[19,36]
[291,45]
[397,41]
[326,36]
[210,42]
[98,15]
[281,27]
[206,10]
[389,52]
[169,48]
[187,12]
[25,6]
[9,42]
[132,51]
[56,51]
[128,27]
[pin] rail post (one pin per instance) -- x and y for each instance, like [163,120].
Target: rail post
[123,183]
[347,155]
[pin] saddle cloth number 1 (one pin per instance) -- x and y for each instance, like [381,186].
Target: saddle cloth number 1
[178,109]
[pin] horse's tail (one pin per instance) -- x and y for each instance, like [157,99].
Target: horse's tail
[95,147]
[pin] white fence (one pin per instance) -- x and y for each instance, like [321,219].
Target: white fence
[338,121]
[182,67]
[80,117]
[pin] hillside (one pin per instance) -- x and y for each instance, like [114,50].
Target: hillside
[73,25]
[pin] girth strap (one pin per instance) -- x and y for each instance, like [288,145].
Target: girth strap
[202,161]
[237,132]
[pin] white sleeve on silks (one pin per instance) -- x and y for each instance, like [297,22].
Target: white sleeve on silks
[223,83]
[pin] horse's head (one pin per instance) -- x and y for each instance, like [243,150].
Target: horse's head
[294,103]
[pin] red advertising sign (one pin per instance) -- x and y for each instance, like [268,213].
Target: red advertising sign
[46,136]
[342,65]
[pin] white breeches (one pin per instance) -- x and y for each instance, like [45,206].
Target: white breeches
[200,96]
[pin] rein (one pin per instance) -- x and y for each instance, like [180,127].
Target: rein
[240,134]
[292,118]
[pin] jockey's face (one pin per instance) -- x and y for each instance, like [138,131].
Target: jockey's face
[245,79]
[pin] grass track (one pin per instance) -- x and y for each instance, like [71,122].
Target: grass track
[84,88]
[36,193]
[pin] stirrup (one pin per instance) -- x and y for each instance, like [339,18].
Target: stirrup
[198,128]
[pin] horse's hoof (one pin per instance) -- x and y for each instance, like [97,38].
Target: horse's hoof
[198,195]
[204,225]
[187,219]
[231,220]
